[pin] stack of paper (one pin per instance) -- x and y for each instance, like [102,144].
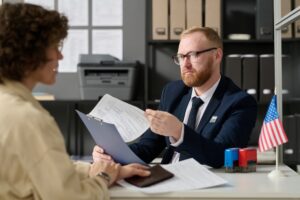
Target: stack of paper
[188,175]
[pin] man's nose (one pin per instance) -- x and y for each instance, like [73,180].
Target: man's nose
[186,61]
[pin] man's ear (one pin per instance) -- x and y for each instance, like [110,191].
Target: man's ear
[219,55]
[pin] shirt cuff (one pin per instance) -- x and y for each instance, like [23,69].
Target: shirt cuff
[175,143]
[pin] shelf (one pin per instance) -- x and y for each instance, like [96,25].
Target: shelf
[288,19]
[163,42]
[226,41]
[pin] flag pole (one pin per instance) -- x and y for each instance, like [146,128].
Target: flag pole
[276,173]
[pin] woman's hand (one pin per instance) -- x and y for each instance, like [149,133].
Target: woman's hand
[110,169]
[99,154]
[132,170]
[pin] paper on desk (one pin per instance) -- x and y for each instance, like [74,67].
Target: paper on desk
[129,120]
[107,136]
[188,175]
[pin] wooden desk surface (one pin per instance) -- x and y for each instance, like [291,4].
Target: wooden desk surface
[255,185]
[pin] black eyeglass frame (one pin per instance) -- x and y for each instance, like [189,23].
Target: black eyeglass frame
[176,59]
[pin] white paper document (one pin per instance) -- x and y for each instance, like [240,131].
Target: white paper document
[129,120]
[188,175]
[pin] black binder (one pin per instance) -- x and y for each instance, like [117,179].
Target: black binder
[287,72]
[250,74]
[266,77]
[290,148]
[297,138]
[264,19]
[233,68]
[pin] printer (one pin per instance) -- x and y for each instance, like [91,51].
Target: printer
[101,74]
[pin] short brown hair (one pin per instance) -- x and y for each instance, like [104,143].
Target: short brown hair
[26,31]
[209,33]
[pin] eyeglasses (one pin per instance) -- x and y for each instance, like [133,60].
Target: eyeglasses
[192,56]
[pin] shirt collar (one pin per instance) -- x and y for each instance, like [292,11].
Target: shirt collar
[18,89]
[206,96]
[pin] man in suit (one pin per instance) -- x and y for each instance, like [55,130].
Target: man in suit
[224,119]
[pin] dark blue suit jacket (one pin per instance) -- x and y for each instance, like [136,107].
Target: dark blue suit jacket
[235,112]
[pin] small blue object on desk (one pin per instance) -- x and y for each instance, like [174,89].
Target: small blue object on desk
[240,160]
[231,163]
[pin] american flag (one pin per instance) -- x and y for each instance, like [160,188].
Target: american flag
[272,133]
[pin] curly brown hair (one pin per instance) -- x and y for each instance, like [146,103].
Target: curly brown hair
[26,31]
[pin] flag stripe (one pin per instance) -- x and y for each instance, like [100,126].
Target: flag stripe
[270,135]
[266,139]
[264,145]
[282,134]
[274,129]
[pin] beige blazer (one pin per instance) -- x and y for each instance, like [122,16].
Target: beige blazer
[34,161]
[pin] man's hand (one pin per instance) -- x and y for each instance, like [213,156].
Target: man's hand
[99,154]
[164,123]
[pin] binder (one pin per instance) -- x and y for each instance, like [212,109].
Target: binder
[287,84]
[266,77]
[177,18]
[107,136]
[233,68]
[193,13]
[213,14]
[250,74]
[297,23]
[290,148]
[286,7]
[160,22]
[238,19]
[296,137]
[264,19]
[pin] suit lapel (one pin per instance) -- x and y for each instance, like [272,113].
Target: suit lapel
[181,108]
[213,104]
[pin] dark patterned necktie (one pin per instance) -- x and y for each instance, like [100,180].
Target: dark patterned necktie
[196,103]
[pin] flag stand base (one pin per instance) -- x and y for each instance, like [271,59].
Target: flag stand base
[276,173]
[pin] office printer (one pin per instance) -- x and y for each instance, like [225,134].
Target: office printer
[101,74]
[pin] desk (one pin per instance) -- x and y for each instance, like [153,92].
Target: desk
[240,186]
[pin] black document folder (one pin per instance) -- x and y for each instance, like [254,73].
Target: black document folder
[287,81]
[290,148]
[264,19]
[297,138]
[233,68]
[266,77]
[250,74]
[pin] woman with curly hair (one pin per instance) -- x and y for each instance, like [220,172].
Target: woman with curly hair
[34,161]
